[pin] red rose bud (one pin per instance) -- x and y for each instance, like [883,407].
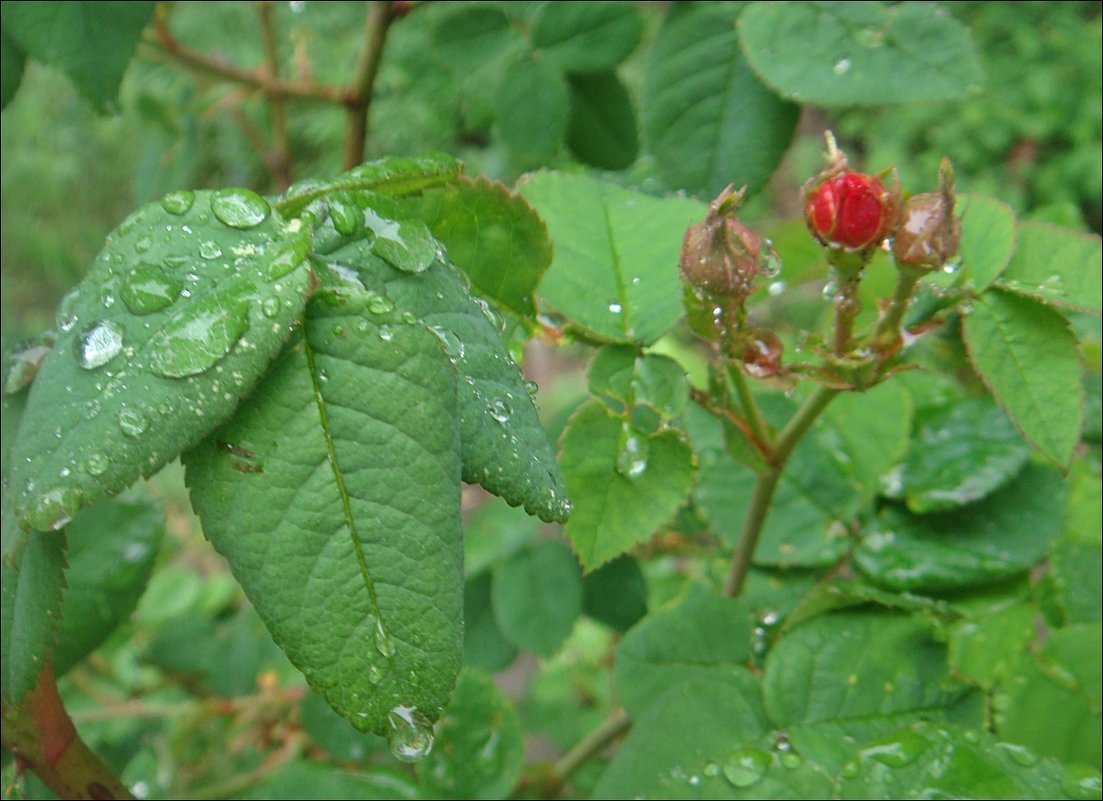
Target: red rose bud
[849,210]
[929,233]
[721,255]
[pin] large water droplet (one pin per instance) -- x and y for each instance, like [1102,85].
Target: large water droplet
[96,464]
[98,344]
[907,747]
[746,766]
[345,216]
[178,202]
[198,337]
[54,509]
[23,366]
[453,345]
[239,208]
[410,740]
[379,304]
[132,422]
[404,244]
[632,453]
[147,289]
[1021,756]
[383,642]
[500,410]
[287,257]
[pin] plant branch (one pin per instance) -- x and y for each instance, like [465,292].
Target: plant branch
[888,327]
[592,744]
[279,160]
[750,407]
[359,94]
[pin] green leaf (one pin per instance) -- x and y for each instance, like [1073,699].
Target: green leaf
[707,118]
[484,644]
[333,733]
[171,327]
[112,549]
[493,532]
[479,748]
[469,35]
[92,43]
[31,590]
[624,484]
[864,54]
[961,452]
[586,36]
[703,637]
[335,497]
[1007,532]
[983,647]
[1051,700]
[987,237]
[532,107]
[616,593]
[493,235]
[505,448]
[12,60]
[601,129]
[392,176]
[315,780]
[615,271]
[537,595]
[1058,266]
[1072,586]
[708,740]
[1028,357]
[924,761]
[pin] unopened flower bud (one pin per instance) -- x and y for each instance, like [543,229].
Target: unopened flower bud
[929,233]
[849,210]
[722,256]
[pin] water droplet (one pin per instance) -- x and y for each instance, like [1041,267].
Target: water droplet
[66,314]
[98,344]
[96,464]
[1081,782]
[132,422]
[386,333]
[453,345]
[54,509]
[345,216]
[776,288]
[615,308]
[287,257]
[769,264]
[830,290]
[198,337]
[23,366]
[842,66]
[148,289]
[632,453]
[239,208]
[500,411]
[375,674]
[1021,756]
[379,304]
[178,202]
[143,244]
[410,740]
[209,250]
[791,760]
[404,244]
[746,767]
[531,387]
[270,307]
[383,642]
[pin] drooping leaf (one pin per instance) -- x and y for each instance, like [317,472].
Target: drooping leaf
[615,271]
[1027,356]
[707,118]
[493,235]
[537,596]
[705,636]
[532,106]
[92,43]
[173,324]
[335,497]
[601,129]
[505,448]
[624,484]
[1007,532]
[112,548]
[1058,266]
[988,236]
[847,54]
[586,36]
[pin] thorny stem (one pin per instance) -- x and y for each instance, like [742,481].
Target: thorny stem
[279,160]
[592,744]
[847,307]
[380,16]
[766,484]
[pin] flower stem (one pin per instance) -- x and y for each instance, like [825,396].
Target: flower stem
[888,327]
[593,743]
[750,406]
[847,307]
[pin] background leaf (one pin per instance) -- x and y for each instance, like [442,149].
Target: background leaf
[601,129]
[707,118]
[988,236]
[585,36]
[537,595]
[532,108]
[1058,266]
[845,54]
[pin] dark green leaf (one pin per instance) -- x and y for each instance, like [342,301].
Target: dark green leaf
[479,749]
[493,532]
[624,484]
[484,644]
[1072,584]
[615,273]
[335,734]
[335,497]
[12,59]
[172,326]
[616,593]
[31,590]
[703,637]
[1058,266]
[707,118]
[532,108]
[987,237]
[112,549]
[586,36]
[601,130]
[847,54]
[470,35]
[92,43]
[493,235]
[537,596]
[315,780]
[961,453]
[983,647]
[1027,356]
[1006,533]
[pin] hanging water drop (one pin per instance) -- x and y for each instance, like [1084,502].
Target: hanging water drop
[410,740]
[98,344]
[178,202]
[239,208]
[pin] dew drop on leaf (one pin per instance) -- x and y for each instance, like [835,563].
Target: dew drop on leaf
[1019,755]
[632,453]
[1081,781]
[345,217]
[209,250]
[383,642]
[147,289]
[96,464]
[239,208]
[746,767]
[379,304]
[410,739]
[500,411]
[178,202]
[453,345]
[287,257]
[198,337]
[98,344]
[66,315]
[132,422]
[54,509]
